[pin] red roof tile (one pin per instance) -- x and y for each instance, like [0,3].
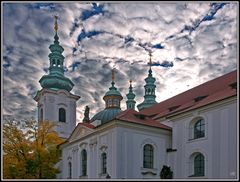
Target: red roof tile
[214,90]
[87,125]
[133,116]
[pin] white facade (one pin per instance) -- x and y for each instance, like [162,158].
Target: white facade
[123,143]
[49,104]
[218,146]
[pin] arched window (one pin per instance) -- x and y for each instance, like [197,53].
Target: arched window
[84,162]
[41,114]
[199,165]
[53,62]
[199,129]
[148,156]
[69,170]
[62,115]
[104,163]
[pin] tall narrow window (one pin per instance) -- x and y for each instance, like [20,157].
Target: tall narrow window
[104,163]
[199,165]
[199,129]
[62,115]
[84,162]
[53,62]
[69,170]
[41,114]
[148,156]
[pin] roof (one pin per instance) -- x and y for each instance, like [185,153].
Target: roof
[212,91]
[87,125]
[133,116]
[106,115]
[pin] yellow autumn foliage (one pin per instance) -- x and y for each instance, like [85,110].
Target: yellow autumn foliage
[30,152]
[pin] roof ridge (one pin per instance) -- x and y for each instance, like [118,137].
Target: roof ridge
[123,113]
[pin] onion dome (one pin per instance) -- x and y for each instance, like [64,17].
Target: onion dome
[55,79]
[112,100]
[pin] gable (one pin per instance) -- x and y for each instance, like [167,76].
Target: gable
[79,132]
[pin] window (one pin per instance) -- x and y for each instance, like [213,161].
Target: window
[199,128]
[69,170]
[115,102]
[53,62]
[41,114]
[62,115]
[148,156]
[104,163]
[199,165]
[84,162]
[109,102]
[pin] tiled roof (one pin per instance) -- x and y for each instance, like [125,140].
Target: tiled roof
[133,116]
[87,125]
[204,94]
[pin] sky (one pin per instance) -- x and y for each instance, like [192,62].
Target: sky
[190,42]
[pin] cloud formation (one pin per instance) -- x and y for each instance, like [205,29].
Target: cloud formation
[190,43]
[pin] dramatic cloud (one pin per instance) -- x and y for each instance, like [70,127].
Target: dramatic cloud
[191,43]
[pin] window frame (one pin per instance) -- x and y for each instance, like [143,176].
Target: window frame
[148,156]
[69,170]
[62,115]
[104,163]
[84,162]
[200,160]
[199,133]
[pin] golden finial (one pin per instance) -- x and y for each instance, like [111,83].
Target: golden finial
[113,75]
[130,81]
[150,59]
[56,24]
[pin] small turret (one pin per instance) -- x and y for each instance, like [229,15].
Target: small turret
[149,97]
[130,98]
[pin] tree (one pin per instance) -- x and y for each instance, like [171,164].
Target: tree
[166,173]
[30,152]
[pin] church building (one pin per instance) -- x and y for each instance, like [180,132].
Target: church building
[194,133]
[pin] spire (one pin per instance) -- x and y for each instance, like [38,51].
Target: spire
[113,77]
[56,78]
[130,97]
[150,64]
[56,24]
[56,29]
[149,97]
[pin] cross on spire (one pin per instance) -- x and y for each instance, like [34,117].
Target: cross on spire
[113,75]
[56,24]
[150,59]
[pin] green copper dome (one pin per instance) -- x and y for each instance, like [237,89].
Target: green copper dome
[106,115]
[112,100]
[55,79]
[113,91]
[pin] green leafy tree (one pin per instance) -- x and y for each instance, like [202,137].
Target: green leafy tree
[30,153]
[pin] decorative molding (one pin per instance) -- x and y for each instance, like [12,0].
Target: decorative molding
[83,145]
[148,141]
[75,149]
[151,171]
[62,104]
[93,142]
[103,148]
